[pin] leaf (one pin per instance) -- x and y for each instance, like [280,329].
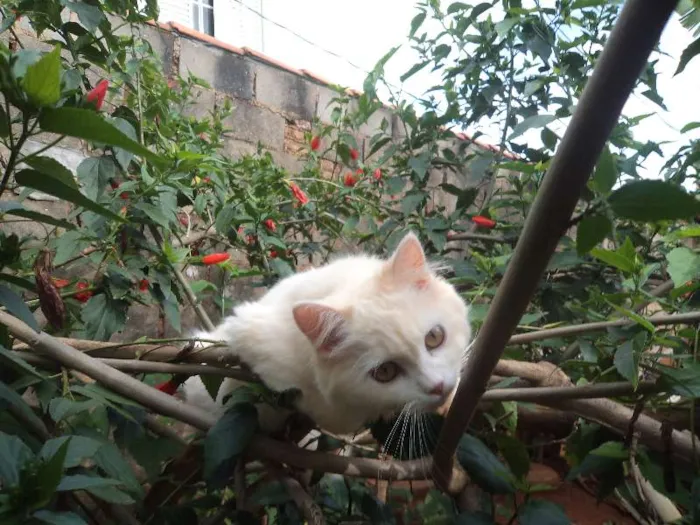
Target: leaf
[19,363]
[79,448]
[474,518]
[110,459]
[611,449]
[416,23]
[14,399]
[52,168]
[103,317]
[15,208]
[13,454]
[111,495]
[51,473]
[633,316]
[4,123]
[408,74]
[419,165]
[605,174]
[542,512]
[212,384]
[683,265]
[688,54]
[591,231]
[536,121]
[515,454]
[281,267]
[615,259]
[94,174]
[38,181]
[68,245]
[58,518]
[690,126]
[16,306]
[653,200]
[88,125]
[61,407]
[483,466]
[410,202]
[626,362]
[89,15]
[42,81]
[227,439]
[684,381]
[83,482]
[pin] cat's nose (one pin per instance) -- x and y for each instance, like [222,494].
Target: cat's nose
[438,389]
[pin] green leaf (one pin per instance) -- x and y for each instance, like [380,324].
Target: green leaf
[58,518]
[688,54]
[605,174]
[103,317]
[536,121]
[13,454]
[281,267]
[4,123]
[38,181]
[16,209]
[154,213]
[416,23]
[684,381]
[653,200]
[626,360]
[19,363]
[79,448]
[474,518]
[61,407]
[615,259]
[16,306]
[14,399]
[408,74]
[542,512]
[89,125]
[94,174]
[410,202]
[89,15]
[227,439]
[683,265]
[110,459]
[591,231]
[515,454]
[633,316]
[52,168]
[611,449]
[212,384]
[83,482]
[690,126]
[68,245]
[51,473]
[683,233]
[42,81]
[419,165]
[484,467]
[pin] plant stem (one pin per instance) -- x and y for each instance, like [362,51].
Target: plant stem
[15,150]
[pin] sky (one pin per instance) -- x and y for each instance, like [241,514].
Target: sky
[349,37]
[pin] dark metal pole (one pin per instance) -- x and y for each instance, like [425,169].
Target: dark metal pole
[631,41]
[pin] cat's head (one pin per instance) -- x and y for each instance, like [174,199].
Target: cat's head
[401,341]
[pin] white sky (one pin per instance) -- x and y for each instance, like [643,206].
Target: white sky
[362,31]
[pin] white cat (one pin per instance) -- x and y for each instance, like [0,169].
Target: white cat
[360,337]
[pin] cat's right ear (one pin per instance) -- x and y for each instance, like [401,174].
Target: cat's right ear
[323,325]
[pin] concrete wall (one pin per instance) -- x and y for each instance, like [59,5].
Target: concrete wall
[273,105]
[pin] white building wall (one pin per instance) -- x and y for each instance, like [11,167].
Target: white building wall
[179,11]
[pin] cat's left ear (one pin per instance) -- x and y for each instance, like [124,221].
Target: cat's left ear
[324,326]
[407,264]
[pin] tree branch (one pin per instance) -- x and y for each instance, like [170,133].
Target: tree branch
[547,393]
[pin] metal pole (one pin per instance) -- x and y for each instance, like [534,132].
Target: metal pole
[634,36]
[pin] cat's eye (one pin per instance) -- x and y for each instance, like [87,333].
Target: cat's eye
[386,372]
[435,337]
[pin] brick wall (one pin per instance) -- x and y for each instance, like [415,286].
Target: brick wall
[273,105]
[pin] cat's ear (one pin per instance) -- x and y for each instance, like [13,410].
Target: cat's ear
[324,326]
[407,265]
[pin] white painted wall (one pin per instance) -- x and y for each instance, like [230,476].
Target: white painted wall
[179,11]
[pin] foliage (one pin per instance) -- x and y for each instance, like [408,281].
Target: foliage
[157,171]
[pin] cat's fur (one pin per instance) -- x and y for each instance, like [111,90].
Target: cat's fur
[323,331]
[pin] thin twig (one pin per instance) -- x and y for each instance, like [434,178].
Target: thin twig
[540,394]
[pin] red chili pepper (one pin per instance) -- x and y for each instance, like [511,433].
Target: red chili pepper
[97,94]
[215,258]
[349,180]
[273,254]
[299,195]
[377,175]
[354,154]
[114,184]
[168,387]
[270,225]
[143,285]
[315,143]
[484,222]
[124,195]
[60,283]
[83,297]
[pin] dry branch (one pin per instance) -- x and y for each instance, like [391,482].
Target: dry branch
[553,393]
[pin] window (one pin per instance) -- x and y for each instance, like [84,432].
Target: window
[203,16]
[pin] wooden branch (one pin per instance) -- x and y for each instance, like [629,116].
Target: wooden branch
[478,237]
[305,503]
[139,366]
[262,447]
[543,394]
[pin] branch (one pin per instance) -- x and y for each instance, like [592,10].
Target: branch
[136,365]
[553,393]
[262,447]
[478,237]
